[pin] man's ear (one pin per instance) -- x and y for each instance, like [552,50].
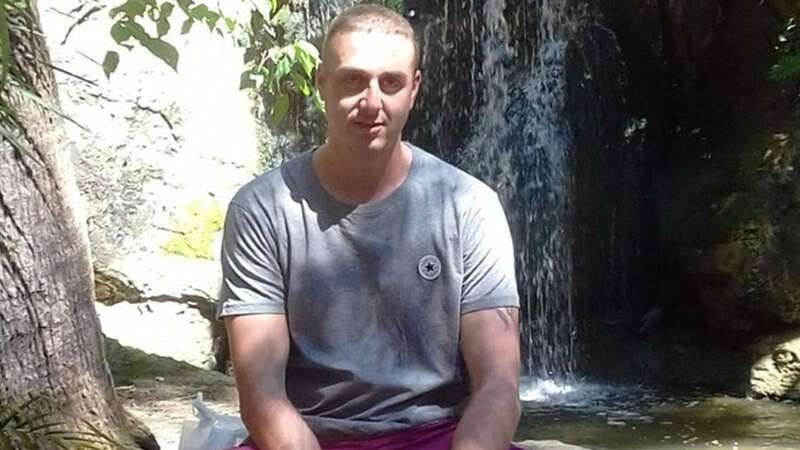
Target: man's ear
[416,83]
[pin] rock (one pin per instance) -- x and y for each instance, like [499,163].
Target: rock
[776,371]
[155,141]
[547,445]
[111,288]
[168,329]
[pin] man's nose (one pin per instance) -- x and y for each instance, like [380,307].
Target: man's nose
[372,101]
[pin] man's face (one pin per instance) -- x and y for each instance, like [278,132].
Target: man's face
[369,83]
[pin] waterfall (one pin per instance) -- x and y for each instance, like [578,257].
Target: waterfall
[514,137]
[544,258]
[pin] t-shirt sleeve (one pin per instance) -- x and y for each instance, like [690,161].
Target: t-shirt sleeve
[252,281]
[488,257]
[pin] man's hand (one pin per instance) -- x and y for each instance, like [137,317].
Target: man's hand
[259,350]
[490,346]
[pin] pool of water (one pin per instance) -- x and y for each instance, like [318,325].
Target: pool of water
[612,417]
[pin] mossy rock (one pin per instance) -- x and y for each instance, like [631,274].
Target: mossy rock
[195,230]
[111,288]
[733,224]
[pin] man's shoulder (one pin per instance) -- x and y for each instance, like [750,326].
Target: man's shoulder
[273,186]
[442,175]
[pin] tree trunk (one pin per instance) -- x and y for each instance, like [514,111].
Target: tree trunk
[50,341]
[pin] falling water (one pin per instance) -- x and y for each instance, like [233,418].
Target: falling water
[545,264]
[518,145]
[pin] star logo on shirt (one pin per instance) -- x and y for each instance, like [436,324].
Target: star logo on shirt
[429,267]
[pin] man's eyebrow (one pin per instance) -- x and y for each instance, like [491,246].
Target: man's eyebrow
[396,74]
[350,69]
[355,70]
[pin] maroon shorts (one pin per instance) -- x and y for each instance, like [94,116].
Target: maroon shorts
[434,436]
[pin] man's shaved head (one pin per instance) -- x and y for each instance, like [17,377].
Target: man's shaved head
[371,18]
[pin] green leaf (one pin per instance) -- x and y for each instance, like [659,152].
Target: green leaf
[230,24]
[309,49]
[131,9]
[187,25]
[110,63]
[199,12]
[163,50]
[300,84]
[279,109]
[165,11]
[160,48]
[281,18]
[162,26]
[319,103]
[137,32]
[273,6]
[211,20]
[283,67]
[308,61]
[185,6]
[120,32]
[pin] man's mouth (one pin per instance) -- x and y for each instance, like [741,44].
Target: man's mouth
[370,126]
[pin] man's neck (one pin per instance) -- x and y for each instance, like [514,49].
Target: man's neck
[357,177]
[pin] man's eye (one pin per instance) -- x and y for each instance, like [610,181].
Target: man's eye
[351,80]
[391,84]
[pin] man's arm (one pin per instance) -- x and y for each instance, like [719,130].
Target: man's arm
[259,350]
[490,346]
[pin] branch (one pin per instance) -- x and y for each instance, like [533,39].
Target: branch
[80,20]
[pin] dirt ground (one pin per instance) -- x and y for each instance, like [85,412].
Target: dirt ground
[158,390]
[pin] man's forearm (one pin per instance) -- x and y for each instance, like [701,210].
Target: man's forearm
[490,420]
[274,424]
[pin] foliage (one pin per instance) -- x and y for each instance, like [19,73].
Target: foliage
[17,14]
[10,75]
[275,69]
[21,429]
[195,231]
[788,64]
[274,66]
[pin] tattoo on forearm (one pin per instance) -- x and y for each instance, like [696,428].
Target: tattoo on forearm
[507,315]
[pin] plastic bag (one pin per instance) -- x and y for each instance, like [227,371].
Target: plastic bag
[212,431]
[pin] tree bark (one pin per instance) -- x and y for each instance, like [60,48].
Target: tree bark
[50,341]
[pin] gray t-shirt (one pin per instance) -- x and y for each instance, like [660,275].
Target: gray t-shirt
[373,294]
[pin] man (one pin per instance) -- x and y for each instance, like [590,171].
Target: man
[368,289]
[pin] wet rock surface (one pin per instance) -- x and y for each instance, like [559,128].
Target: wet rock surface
[720,147]
[776,369]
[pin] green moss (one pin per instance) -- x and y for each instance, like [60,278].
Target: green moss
[195,230]
[751,236]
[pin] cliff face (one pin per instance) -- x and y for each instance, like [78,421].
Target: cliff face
[724,187]
[720,150]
